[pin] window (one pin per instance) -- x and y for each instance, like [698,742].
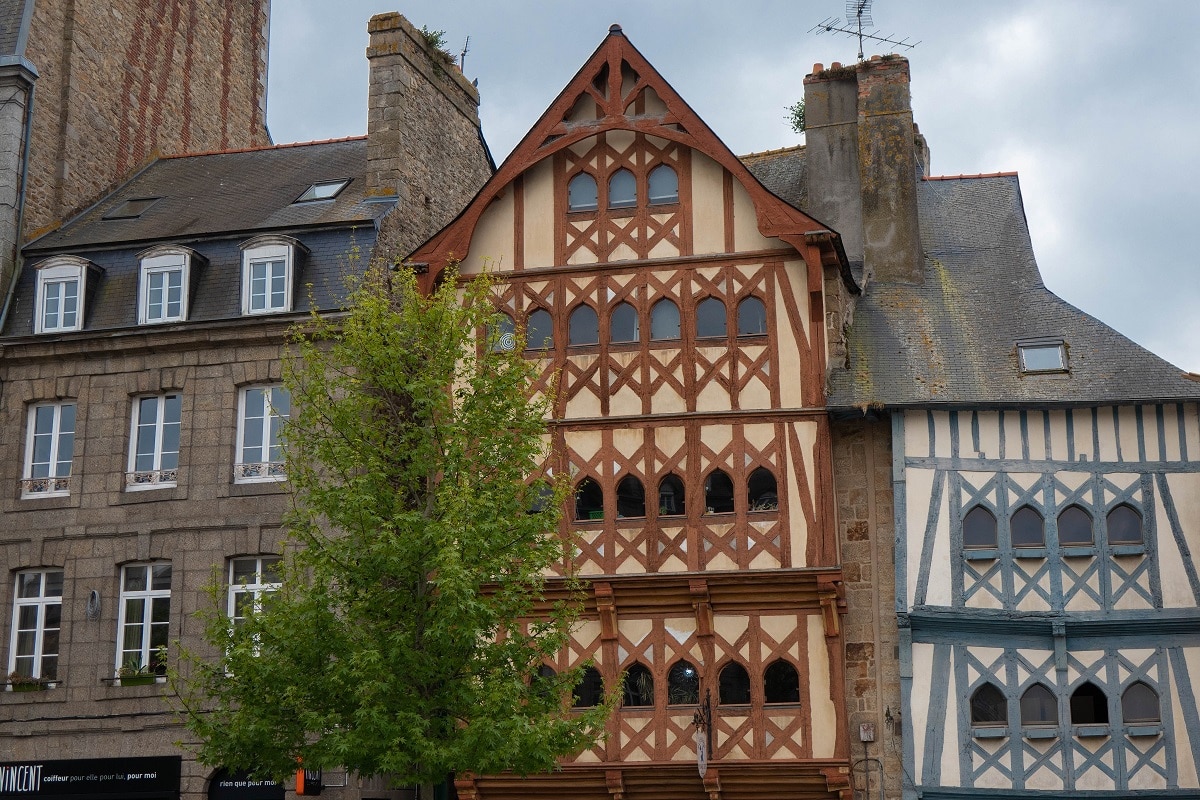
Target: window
[683,685]
[325,190]
[589,692]
[639,687]
[163,287]
[582,193]
[1043,357]
[670,497]
[761,491]
[622,189]
[1074,527]
[733,685]
[1089,706]
[61,289]
[1039,706]
[583,326]
[1124,525]
[264,410]
[1027,527]
[145,615]
[988,706]
[664,185]
[132,208]
[710,319]
[664,321]
[539,330]
[154,456]
[249,580]
[752,317]
[502,334]
[718,493]
[37,615]
[979,528]
[1139,704]
[781,683]
[267,274]
[49,450]
[589,500]
[623,324]
[631,498]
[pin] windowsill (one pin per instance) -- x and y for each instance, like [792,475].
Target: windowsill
[265,312]
[1091,731]
[49,693]
[782,706]
[708,514]
[1030,552]
[985,732]
[752,337]
[1077,551]
[37,501]
[1040,733]
[1128,549]
[981,554]
[114,690]
[1144,730]
[161,321]
[151,487]
[763,511]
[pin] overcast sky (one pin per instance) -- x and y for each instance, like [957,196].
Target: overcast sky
[1095,103]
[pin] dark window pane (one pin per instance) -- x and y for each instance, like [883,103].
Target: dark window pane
[581,193]
[1089,706]
[539,331]
[761,491]
[683,685]
[1124,526]
[718,493]
[623,324]
[503,334]
[584,327]
[710,319]
[734,686]
[589,500]
[664,321]
[1074,527]
[664,185]
[622,190]
[1039,706]
[1028,528]
[781,683]
[988,706]
[631,498]
[670,497]
[639,686]
[979,528]
[1140,704]
[752,317]
[589,692]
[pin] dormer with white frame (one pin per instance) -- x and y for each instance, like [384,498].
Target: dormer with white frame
[269,267]
[167,274]
[63,286]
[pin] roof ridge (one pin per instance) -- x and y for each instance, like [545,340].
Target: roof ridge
[1012,174]
[265,147]
[776,151]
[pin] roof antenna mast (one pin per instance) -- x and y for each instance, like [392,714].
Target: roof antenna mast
[860,24]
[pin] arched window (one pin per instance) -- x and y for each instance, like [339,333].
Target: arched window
[1027,527]
[631,498]
[710,319]
[539,493]
[979,528]
[539,330]
[988,706]
[1139,704]
[761,491]
[583,326]
[589,500]
[733,685]
[683,685]
[1039,706]
[581,193]
[1074,527]
[623,324]
[639,687]
[622,190]
[664,321]
[1124,525]
[664,185]
[718,493]
[752,317]
[542,680]
[781,683]
[589,692]
[670,497]
[1089,706]
[503,333]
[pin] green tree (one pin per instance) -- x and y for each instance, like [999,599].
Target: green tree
[413,618]
[795,115]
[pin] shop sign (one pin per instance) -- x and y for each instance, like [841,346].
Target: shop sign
[131,777]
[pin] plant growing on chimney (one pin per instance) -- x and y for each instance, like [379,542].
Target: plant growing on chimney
[413,623]
[436,40]
[795,116]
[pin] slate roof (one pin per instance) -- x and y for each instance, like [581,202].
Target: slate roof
[951,341]
[247,191]
[783,172]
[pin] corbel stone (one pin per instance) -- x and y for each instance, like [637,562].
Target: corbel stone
[614,779]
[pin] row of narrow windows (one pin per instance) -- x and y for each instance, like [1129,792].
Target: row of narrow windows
[622,191]
[1027,528]
[781,684]
[719,496]
[1089,706]
[624,327]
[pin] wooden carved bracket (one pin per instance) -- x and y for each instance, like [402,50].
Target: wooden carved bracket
[607,608]
[703,605]
[464,784]
[832,594]
[614,779]
[837,779]
[712,784]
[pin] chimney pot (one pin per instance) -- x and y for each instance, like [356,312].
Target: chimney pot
[818,67]
[836,65]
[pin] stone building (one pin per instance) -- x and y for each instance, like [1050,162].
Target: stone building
[140,392]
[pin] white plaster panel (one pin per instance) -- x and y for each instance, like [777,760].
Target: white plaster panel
[1037,435]
[586,444]
[715,437]
[539,214]
[824,711]
[1185,764]
[1171,428]
[628,440]
[916,434]
[806,435]
[729,627]
[1185,493]
[790,364]
[922,670]
[1058,435]
[759,436]
[756,393]
[1129,433]
[670,440]
[989,434]
[708,205]
[1191,424]
[950,743]
[1107,434]
[941,434]
[745,224]
[491,246]
[919,489]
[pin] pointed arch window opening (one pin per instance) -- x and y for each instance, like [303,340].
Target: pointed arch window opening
[1089,705]
[1027,528]
[589,692]
[539,330]
[662,186]
[718,493]
[583,326]
[622,189]
[781,683]
[639,687]
[762,491]
[710,319]
[1075,528]
[733,687]
[582,193]
[979,529]
[751,317]
[1124,525]
[683,684]
[671,497]
[1039,707]
[589,501]
[1140,705]
[631,498]
[623,325]
[989,706]
[664,321]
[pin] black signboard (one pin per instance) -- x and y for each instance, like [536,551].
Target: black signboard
[226,785]
[145,778]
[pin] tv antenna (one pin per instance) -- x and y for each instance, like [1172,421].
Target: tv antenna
[462,58]
[859,23]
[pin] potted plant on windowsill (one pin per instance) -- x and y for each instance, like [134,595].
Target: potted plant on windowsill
[24,683]
[134,675]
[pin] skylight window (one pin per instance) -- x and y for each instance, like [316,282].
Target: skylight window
[1043,356]
[132,208]
[325,190]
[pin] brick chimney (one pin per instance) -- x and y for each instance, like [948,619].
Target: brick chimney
[424,146]
[864,157]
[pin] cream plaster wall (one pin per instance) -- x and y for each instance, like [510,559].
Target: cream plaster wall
[492,245]
[708,205]
[539,214]
[824,711]
[806,435]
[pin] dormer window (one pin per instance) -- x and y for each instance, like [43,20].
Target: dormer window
[62,285]
[164,284]
[268,274]
[1043,356]
[325,190]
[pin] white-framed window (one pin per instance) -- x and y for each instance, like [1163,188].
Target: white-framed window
[154,442]
[163,288]
[144,618]
[49,450]
[250,578]
[267,279]
[37,615]
[60,292]
[262,412]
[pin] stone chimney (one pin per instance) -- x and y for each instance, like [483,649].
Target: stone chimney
[863,163]
[424,146]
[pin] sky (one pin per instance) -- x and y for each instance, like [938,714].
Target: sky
[1094,103]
